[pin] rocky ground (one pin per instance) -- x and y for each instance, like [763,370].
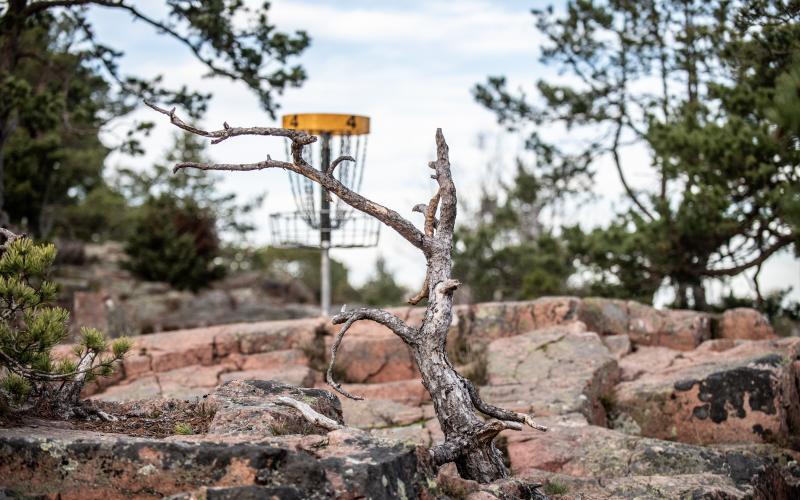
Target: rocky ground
[640,403]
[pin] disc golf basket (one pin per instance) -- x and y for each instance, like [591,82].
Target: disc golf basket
[322,220]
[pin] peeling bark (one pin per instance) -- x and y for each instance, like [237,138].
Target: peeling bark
[468,438]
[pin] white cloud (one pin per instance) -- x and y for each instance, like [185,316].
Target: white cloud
[474,28]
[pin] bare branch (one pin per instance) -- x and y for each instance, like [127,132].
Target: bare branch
[496,412]
[766,253]
[430,225]
[430,214]
[335,163]
[299,139]
[621,174]
[422,294]
[447,189]
[334,350]
[385,318]
[310,414]
[227,131]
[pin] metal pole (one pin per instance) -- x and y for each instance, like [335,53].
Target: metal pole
[325,232]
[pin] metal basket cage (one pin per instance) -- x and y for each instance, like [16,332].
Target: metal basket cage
[291,230]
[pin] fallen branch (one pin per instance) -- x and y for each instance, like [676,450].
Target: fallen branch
[311,414]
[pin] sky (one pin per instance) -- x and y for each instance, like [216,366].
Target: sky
[410,66]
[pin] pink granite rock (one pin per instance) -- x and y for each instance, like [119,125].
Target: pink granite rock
[748,393]
[744,323]
[574,450]
[371,353]
[555,370]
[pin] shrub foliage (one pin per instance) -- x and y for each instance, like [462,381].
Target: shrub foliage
[30,328]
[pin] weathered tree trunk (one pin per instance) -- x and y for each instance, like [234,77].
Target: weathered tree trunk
[468,438]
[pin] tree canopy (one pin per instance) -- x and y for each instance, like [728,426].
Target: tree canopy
[60,85]
[709,88]
[504,252]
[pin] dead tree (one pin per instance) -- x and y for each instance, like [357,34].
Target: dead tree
[468,437]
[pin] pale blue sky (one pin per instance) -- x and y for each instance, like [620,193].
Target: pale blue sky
[408,65]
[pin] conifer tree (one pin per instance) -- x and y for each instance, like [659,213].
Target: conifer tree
[30,328]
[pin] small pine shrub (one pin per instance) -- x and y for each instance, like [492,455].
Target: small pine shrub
[30,329]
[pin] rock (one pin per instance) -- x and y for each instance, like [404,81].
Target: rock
[694,486]
[645,325]
[744,323]
[89,310]
[550,311]
[647,360]
[273,360]
[250,407]
[142,388]
[409,392]
[195,376]
[618,345]
[748,393]
[80,464]
[586,451]
[681,330]
[178,349]
[561,369]
[135,365]
[417,433]
[494,320]
[301,376]
[273,335]
[604,316]
[371,353]
[377,413]
[450,485]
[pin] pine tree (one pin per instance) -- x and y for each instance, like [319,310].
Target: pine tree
[709,88]
[505,252]
[381,289]
[30,328]
[60,86]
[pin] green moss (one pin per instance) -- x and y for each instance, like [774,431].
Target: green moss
[555,488]
[183,429]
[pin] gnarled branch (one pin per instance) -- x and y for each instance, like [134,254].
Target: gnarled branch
[430,225]
[227,131]
[423,292]
[298,165]
[496,412]
[335,163]
[334,349]
[385,318]
[447,190]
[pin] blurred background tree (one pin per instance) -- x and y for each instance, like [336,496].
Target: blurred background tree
[504,252]
[304,264]
[709,90]
[175,220]
[60,86]
[381,289]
